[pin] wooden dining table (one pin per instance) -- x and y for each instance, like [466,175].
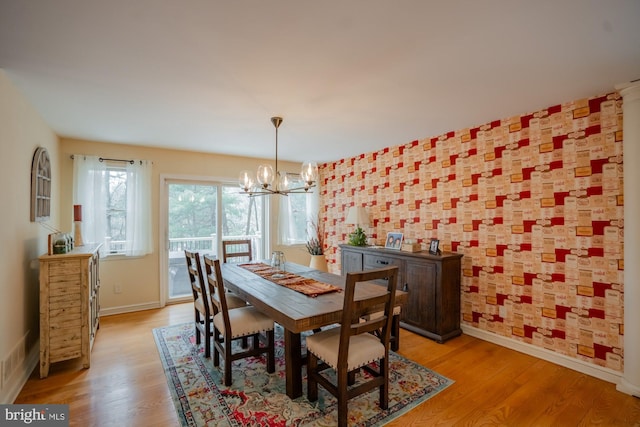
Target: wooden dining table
[294,311]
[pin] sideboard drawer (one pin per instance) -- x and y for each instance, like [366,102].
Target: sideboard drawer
[380,261]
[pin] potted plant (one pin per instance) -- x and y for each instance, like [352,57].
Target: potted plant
[315,245]
[358,238]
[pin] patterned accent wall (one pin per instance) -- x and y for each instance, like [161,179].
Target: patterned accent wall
[534,203]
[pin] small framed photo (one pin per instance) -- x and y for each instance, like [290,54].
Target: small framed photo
[433,247]
[394,241]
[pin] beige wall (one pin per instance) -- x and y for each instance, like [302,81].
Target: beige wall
[22,130]
[139,278]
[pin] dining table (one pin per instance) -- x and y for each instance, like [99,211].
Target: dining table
[295,311]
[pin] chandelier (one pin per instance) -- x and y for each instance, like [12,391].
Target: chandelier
[263,184]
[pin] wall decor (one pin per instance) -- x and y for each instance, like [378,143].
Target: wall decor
[40,186]
[433,247]
[534,202]
[394,241]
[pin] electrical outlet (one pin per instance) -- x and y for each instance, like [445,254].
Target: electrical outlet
[117,288]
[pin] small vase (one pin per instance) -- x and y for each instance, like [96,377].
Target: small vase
[318,262]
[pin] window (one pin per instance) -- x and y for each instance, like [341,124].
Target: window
[116,200]
[116,183]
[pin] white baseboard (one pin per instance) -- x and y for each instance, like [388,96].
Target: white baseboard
[600,372]
[628,388]
[14,385]
[129,308]
[12,389]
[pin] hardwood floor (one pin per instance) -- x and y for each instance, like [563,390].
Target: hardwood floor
[126,386]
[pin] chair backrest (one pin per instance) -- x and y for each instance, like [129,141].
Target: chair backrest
[357,304]
[194,269]
[236,251]
[216,290]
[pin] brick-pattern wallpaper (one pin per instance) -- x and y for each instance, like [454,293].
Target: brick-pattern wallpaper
[534,203]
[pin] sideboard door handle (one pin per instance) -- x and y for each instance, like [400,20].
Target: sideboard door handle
[405,287]
[383,262]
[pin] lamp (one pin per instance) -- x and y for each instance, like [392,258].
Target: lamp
[358,216]
[285,183]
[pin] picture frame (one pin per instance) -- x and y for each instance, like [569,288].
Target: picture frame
[434,247]
[394,241]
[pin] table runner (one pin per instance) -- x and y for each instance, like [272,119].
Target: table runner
[304,285]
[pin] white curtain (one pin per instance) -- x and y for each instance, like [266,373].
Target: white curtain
[90,189]
[290,232]
[139,241]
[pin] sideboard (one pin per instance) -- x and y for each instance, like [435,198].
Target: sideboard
[69,305]
[432,281]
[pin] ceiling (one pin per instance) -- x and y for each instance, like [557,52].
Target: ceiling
[348,77]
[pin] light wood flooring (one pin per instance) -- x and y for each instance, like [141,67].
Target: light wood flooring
[494,386]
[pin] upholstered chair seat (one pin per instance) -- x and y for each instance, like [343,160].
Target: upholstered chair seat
[244,321]
[363,349]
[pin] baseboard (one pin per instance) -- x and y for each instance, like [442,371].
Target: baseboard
[628,388]
[12,389]
[600,372]
[129,308]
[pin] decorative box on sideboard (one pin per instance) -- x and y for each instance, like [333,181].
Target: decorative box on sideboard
[69,306]
[432,281]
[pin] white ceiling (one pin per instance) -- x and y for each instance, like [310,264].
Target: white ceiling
[348,76]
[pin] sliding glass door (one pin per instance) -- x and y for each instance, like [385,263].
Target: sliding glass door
[199,215]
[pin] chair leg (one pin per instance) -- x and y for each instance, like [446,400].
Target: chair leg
[312,384]
[271,354]
[351,377]
[384,388]
[395,333]
[216,353]
[197,322]
[227,362]
[343,396]
[207,338]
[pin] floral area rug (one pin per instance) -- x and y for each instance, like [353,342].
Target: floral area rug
[257,398]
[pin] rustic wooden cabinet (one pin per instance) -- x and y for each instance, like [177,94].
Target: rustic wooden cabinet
[69,306]
[432,281]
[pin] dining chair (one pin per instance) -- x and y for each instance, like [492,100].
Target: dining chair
[236,251]
[203,314]
[204,310]
[352,346]
[230,325]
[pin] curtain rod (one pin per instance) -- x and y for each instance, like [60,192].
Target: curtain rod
[102,159]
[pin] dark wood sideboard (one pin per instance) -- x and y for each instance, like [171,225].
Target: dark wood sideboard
[432,308]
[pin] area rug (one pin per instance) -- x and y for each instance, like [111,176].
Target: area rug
[257,398]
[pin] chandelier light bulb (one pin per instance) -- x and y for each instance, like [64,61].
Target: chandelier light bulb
[265,175]
[246,180]
[309,172]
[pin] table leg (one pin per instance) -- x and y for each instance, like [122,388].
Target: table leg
[293,363]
